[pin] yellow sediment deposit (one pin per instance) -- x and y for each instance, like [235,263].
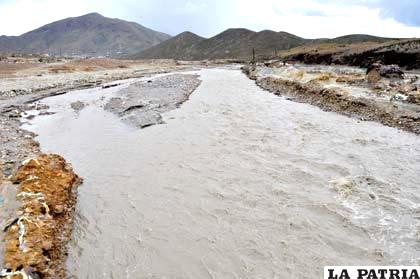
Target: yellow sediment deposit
[350,79]
[294,73]
[323,77]
[414,97]
[343,79]
[36,239]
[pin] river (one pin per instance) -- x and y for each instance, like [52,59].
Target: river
[238,183]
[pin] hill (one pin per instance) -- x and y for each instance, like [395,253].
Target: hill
[238,43]
[90,35]
[232,43]
[403,52]
[181,46]
[352,39]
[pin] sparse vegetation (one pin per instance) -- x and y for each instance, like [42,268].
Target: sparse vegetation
[405,53]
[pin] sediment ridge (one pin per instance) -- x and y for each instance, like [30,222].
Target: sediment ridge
[142,103]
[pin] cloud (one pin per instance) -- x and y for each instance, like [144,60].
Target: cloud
[306,18]
[339,18]
[314,13]
[405,11]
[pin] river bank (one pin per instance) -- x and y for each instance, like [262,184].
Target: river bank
[28,212]
[404,53]
[347,90]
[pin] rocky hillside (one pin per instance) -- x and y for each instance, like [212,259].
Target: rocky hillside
[405,53]
[232,43]
[181,46]
[354,39]
[238,43]
[88,35]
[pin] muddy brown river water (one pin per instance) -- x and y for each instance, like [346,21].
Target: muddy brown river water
[238,183]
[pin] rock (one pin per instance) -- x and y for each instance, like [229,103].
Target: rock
[58,209]
[46,244]
[413,79]
[381,85]
[77,106]
[274,63]
[341,79]
[320,77]
[377,71]
[294,73]
[400,97]
[349,79]
[406,88]
[250,71]
[105,86]
[414,97]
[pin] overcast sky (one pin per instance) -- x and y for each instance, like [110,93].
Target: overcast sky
[305,18]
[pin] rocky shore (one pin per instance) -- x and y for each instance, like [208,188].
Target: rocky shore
[392,102]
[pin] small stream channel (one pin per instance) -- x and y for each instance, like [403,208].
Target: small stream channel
[238,183]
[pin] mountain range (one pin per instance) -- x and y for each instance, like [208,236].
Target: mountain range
[87,35]
[238,43]
[232,43]
[96,35]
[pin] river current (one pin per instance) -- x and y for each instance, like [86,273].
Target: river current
[238,183]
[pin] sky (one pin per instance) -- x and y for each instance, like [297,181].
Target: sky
[305,18]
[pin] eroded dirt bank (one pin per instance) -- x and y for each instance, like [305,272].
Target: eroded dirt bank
[36,239]
[405,53]
[345,90]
